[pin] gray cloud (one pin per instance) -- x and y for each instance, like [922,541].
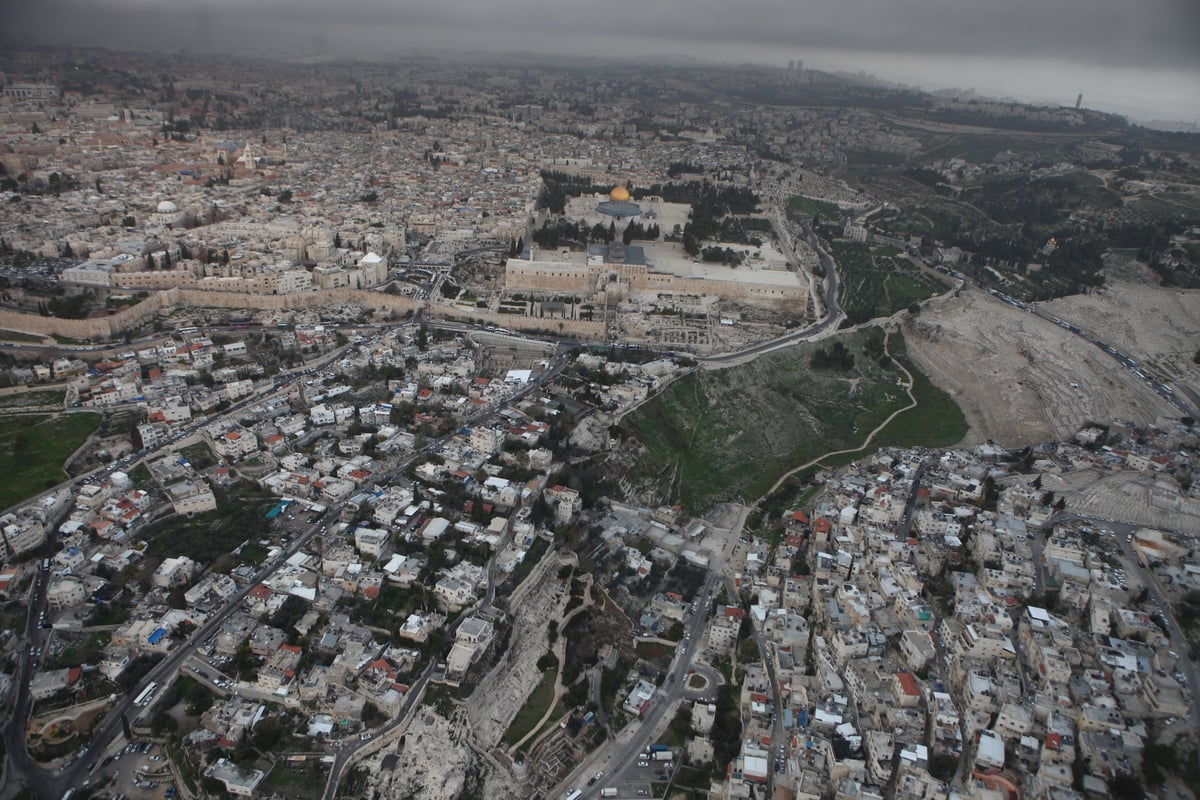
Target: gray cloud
[1105,34]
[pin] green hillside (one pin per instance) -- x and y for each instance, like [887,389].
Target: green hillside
[729,434]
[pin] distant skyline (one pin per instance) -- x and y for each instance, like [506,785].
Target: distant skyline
[1139,59]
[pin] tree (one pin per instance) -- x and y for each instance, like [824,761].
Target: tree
[162,722]
[199,700]
[372,716]
[1125,786]
[267,733]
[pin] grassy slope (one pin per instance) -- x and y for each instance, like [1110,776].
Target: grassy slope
[731,433]
[534,709]
[33,449]
[937,421]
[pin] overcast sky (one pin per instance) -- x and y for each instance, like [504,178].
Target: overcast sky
[1135,56]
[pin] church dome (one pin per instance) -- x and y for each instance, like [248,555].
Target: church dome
[166,207]
[619,194]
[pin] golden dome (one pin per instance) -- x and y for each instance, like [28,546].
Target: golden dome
[619,194]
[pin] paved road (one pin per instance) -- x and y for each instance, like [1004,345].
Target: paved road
[346,755]
[1157,597]
[47,785]
[616,757]
[833,318]
[1179,400]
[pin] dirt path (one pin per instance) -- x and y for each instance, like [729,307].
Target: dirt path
[912,403]
[560,652]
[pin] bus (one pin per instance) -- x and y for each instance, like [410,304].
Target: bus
[574,794]
[147,695]
[185,331]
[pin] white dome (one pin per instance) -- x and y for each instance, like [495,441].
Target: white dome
[167,207]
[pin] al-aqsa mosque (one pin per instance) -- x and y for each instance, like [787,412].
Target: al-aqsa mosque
[619,205]
[645,270]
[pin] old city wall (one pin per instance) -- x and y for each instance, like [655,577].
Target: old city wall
[94,328]
[288,302]
[114,325]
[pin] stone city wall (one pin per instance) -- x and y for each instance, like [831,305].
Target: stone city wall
[114,325]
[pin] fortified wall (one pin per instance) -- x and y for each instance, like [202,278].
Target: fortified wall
[114,325]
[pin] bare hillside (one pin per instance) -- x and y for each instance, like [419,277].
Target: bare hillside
[1159,327]
[1018,378]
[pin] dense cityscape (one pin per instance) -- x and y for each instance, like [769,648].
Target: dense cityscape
[542,427]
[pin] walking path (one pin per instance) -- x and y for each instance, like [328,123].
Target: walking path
[908,388]
[560,653]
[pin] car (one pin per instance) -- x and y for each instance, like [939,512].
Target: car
[643,763]
[365,736]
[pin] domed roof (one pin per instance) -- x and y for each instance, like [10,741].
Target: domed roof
[167,207]
[619,194]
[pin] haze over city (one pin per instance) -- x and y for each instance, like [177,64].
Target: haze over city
[688,401]
[1139,59]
